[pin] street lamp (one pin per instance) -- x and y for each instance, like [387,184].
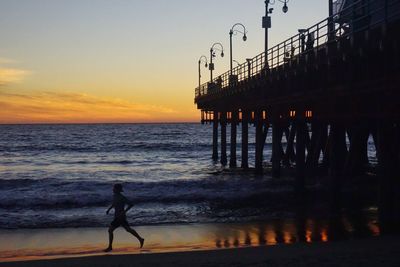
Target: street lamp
[266,23]
[202,59]
[285,8]
[212,55]
[234,31]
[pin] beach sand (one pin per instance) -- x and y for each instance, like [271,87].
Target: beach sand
[246,244]
[375,251]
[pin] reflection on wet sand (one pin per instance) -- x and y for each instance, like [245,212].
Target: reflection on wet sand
[300,230]
[53,243]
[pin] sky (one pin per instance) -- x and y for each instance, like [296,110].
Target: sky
[123,61]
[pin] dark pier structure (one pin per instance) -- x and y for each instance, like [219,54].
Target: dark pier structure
[326,90]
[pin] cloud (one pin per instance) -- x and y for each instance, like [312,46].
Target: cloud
[9,75]
[4,61]
[75,107]
[88,100]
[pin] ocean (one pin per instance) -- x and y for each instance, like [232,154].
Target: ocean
[56,176]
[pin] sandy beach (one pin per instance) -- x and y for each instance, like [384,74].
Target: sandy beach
[376,251]
[241,244]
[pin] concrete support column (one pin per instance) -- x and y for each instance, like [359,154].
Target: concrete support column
[289,153]
[223,138]
[259,141]
[357,157]
[337,156]
[389,177]
[300,154]
[276,148]
[323,142]
[215,136]
[245,139]
[232,161]
[318,138]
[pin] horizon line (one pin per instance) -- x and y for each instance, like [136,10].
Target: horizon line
[94,123]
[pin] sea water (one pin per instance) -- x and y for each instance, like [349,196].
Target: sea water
[54,176]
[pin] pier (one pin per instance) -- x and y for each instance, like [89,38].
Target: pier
[325,90]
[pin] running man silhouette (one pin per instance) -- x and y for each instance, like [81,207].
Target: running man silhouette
[119,202]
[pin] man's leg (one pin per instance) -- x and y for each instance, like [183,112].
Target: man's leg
[110,238]
[134,233]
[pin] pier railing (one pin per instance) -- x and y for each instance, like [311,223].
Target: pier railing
[360,16]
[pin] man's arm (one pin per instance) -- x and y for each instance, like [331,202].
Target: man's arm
[129,205]
[108,211]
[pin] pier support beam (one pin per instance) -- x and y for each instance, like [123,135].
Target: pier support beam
[289,153]
[232,161]
[300,154]
[357,157]
[215,136]
[322,144]
[223,139]
[318,142]
[276,148]
[389,181]
[245,139]
[337,156]
[259,141]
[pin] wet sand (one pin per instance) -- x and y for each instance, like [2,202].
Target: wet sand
[373,251]
[241,244]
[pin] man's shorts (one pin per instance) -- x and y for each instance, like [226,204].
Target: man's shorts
[120,221]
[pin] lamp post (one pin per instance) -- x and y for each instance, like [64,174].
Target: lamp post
[234,31]
[202,59]
[266,22]
[212,55]
[331,25]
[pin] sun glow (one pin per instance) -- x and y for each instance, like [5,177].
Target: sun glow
[51,107]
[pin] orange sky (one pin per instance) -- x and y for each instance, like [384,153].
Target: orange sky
[49,107]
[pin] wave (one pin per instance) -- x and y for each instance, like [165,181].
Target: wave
[56,194]
[103,162]
[98,148]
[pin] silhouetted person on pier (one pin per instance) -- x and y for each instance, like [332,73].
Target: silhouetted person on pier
[310,41]
[219,82]
[119,203]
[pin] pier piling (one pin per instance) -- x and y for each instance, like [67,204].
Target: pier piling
[300,153]
[223,139]
[234,121]
[215,136]
[245,139]
[289,153]
[389,181]
[337,156]
[259,141]
[276,148]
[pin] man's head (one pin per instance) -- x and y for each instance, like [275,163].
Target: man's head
[117,188]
